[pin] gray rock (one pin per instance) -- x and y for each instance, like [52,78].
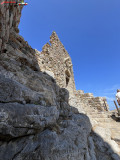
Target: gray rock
[20,120]
[12,91]
[70,143]
[64,95]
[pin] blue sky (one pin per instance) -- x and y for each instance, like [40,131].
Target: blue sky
[90,32]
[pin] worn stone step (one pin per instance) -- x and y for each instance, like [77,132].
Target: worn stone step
[102,120]
[114,125]
[96,112]
[98,116]
[108,125]
[115,129]
[115,136]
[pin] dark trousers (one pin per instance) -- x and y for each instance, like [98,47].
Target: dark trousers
[118,102]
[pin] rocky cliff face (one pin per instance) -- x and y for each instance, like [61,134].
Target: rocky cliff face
[9,21]
[37,121]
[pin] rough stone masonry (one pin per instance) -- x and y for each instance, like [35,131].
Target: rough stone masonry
[42,116]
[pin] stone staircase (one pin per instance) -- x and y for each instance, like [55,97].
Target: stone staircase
[103,119]
[102,123]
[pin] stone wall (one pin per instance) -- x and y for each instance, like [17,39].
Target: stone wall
[55,61]
[98,103]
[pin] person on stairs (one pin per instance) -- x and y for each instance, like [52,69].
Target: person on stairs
[118,100]
[118,96]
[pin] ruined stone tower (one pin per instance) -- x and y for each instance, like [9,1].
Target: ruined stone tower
[55,61]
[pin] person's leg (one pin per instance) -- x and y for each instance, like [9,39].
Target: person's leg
[119,112]
[118,101]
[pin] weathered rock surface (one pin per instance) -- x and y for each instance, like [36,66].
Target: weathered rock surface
[40,117]
[12,91]
[19,120]
[66,141]
[9,21]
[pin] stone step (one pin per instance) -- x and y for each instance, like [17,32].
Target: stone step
[108,125]
[98,113]
[115,132]
[93,114]
[115,129]
[115,125]
[102,120]
[98,116]
[115,136]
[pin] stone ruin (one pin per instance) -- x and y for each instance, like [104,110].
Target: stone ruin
[42,115]
[55,61]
